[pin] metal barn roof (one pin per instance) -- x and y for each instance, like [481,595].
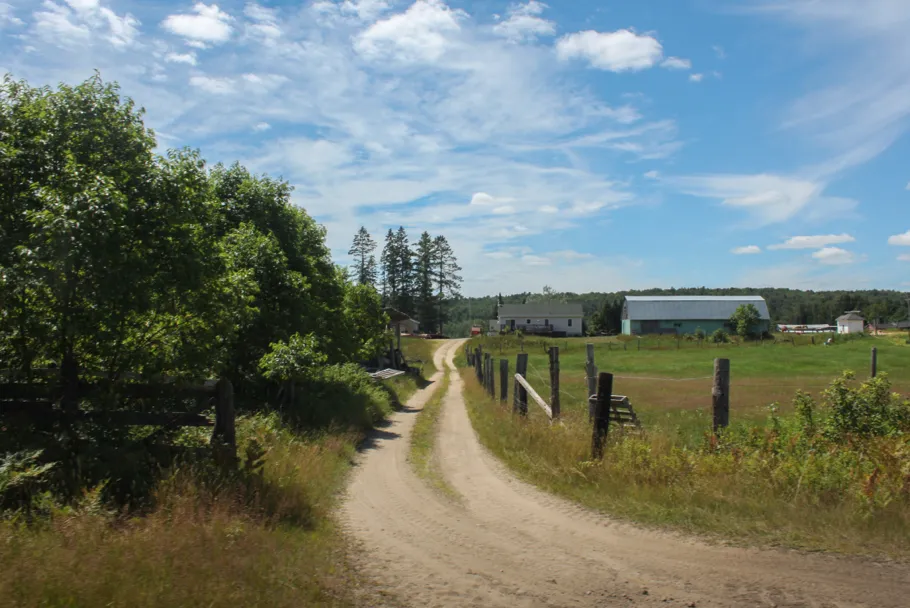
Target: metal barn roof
[690,308]
[540,310]
[850,316]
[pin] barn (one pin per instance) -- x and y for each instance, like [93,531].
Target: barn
[644,315]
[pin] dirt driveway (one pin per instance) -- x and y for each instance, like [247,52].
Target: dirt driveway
[505,543]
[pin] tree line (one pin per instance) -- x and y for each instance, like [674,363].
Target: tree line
[603,311]
[420,280]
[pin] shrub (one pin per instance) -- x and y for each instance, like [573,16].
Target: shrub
[871,410]
[720,336]
[699,334]
[292,360]
[341,396]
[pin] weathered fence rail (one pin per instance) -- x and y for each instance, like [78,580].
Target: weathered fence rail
[43,404]
[529,390]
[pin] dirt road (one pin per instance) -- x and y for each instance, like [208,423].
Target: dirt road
[506,543]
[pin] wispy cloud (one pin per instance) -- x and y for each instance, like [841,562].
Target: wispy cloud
[676,63]
[524,23]
[813,242]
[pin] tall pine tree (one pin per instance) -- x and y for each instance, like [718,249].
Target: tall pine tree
[405,301]
[390,270]
[445,274]
[424,280]
[364,260]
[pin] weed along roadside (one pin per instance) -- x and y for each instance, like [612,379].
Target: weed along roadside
[822,472]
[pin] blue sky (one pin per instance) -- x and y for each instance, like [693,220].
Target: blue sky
[590,146]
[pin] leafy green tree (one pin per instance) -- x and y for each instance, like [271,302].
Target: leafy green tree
[365,321]
[364,261]
[745,320]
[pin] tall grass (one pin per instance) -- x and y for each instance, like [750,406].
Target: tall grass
[260,536]
[778,482]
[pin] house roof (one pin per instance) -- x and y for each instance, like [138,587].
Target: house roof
[540,310]
[850,316]
[690,308]
[396,316]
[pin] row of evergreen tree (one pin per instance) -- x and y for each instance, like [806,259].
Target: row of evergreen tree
[419,280]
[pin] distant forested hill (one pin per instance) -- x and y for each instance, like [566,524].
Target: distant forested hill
[603,310]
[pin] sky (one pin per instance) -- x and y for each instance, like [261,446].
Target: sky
[585,145]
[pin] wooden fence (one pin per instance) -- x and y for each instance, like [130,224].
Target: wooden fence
[55,402]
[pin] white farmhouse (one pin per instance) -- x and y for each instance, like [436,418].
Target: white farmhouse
[541,318]
[850,323]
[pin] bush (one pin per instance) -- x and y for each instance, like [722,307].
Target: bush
[720,336]
[341,396]
[699,334]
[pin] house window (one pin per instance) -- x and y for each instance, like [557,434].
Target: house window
[529,321]
[546,322]
[570,322]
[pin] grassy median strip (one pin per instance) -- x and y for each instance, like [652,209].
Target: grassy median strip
[423,441]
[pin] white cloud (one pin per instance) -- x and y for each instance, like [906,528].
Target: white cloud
[768,198]
[187,58]
[265,23]
[549,209]
[261,126]
[524,23]
[696,77]
[834,256]
[857,104]
[653,174]
[504,210]
[418,35]
[619,51]
[499,255]
[207,24]
[904,257]
[79,22]
[535,260]
[7,17]
[746,250]
[482,198]
[719,51]
[569,254]
[676,63]
[215,85]
[900,239]
[813,242]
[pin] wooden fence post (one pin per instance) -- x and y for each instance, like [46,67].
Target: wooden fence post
[601,415]
[720,394]
[874,361]
[590,377]
[488,363]
[519,393]
[554,382]
[503,380]
[477,361]
[224,436]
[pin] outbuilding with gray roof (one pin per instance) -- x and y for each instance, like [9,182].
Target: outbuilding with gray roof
[642,315]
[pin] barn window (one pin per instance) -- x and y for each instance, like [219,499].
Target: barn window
[546,322]
[529,321]
[570,322]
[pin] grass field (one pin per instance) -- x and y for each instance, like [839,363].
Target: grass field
[670,388]
[770,480]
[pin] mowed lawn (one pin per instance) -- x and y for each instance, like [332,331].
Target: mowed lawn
[669,384]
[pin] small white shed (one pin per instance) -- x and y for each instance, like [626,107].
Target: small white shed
[850,322]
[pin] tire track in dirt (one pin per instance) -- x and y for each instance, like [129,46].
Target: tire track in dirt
[509,544]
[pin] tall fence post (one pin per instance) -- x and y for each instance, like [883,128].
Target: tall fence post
[224,435]
[477,362]
[503,380]
[590,377]
[488,362]
[720,394]
[874,362]
[554,382]
[519,393]
[601,415]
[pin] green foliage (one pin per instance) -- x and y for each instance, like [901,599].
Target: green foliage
[871,410]
[365,321]
[745,320]
[699,334]
[720,336]
[364,261]
[295,359]
[21,474]
[340,396]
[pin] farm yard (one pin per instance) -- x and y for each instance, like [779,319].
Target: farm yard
[771,478]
